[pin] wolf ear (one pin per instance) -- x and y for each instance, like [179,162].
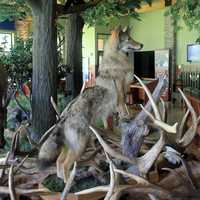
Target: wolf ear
[127,29]
[118,29]
[114,38]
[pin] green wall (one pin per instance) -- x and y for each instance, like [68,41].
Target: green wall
[150,30]
[184,37]
[90,36]
[89,44]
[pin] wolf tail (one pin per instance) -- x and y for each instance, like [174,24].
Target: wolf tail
[49,151]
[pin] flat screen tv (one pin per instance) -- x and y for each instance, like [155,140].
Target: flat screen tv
[144,64]
[193,52]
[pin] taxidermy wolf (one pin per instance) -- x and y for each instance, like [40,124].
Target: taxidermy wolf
[107,96]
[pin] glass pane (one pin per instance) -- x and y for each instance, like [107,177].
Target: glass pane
[5,41]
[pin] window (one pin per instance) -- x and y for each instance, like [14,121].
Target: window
[5,42]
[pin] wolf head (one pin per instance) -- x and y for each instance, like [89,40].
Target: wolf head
[121,40]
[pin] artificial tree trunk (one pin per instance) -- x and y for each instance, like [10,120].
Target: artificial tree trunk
[3,104]
[73,49]
[44,80]
[135,131]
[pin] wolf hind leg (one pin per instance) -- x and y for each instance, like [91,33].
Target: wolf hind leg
[74,155]
[105,123]
[59,163]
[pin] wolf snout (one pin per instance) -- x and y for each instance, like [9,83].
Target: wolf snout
[141,46]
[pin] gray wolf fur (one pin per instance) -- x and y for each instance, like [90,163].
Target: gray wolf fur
[100,101]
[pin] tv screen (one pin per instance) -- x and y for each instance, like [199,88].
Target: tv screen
[193,52]
[144,64]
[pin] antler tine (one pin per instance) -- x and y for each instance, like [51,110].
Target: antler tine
[190,133]
[112,179]
[53,103]
[11,184]
[159,123]
[47,134]
[164,113]
[152,197]
[146,161]
[27,192]
[198,120]
[2,171]
[154,106]
[131,192]
[157,120]
[181,127]
[138,179]
[69,182]
[83,87]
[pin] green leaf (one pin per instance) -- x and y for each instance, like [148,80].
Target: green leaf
[108,9]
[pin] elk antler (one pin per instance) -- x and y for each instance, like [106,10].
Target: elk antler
[11,184]
[190,133]
[164,113]
[143,163]
[142,193]
[112,179]
[135,131]
[157,119]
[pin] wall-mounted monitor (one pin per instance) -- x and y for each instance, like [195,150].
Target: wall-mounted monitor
[193,52]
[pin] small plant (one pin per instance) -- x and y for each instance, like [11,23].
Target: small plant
[19,61]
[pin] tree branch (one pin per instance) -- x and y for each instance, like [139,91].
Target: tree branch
[77,8]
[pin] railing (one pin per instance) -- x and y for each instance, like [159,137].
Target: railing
[190,79]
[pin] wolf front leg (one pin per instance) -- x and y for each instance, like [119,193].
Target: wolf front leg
[105,122]
[121,98]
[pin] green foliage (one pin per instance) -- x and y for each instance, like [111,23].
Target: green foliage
[189,12]
[106,10]
[13,9]
[23,101]
[19,61]
[54,183]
